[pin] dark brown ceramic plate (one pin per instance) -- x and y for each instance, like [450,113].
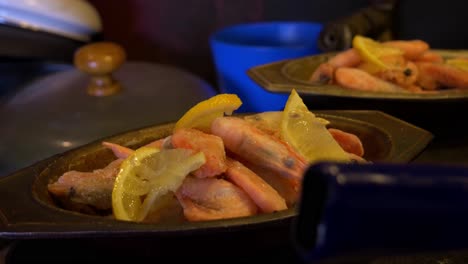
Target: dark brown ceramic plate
[429,111]
[27,210]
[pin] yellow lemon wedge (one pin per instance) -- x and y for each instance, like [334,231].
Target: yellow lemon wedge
[459,63]
[272,119]
[374,52]
[202,114]
[308,134]
[146,176]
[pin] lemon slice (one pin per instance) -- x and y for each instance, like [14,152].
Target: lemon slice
[146,176]
[202,114]
[373,52]
[272,119]
[460,63]
[308,134]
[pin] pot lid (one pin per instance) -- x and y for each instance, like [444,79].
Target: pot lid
[107,96]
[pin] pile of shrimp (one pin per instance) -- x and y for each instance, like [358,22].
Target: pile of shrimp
[249,170]
[419,70]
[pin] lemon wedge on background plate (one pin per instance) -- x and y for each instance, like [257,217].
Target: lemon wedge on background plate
[202,114]
[146,176]
[373,52]
[459,63]
[308,134]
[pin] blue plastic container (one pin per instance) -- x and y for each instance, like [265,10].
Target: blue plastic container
[238,48]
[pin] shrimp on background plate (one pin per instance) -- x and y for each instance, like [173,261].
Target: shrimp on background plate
[437,75]
[325,73]
[393,66]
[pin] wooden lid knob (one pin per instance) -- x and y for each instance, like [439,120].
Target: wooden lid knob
[100,59]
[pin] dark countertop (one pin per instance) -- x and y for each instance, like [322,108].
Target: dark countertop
[447,150]
[449,146]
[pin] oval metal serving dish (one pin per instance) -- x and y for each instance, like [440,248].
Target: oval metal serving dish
[27,211]
[283,76]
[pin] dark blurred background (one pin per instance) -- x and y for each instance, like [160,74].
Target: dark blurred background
[176,32]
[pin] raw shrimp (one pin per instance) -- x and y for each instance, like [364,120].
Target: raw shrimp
[258,147]
[402,76]
[84,189]
[348,58]
[415,88]
[163,143]
[122,152]
[412,49]
[430,56]
[248,170]
[268,122]
[211,145]
[289,189]
[349,142]
[265,196]
[425,79]
[325,72]
[211,199]
[119,151]
[416,69]
[357,79]
[434,75]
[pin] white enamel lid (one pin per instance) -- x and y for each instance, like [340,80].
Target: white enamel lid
[75,19]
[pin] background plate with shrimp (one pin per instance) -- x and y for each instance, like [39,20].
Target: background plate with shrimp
[429,110]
